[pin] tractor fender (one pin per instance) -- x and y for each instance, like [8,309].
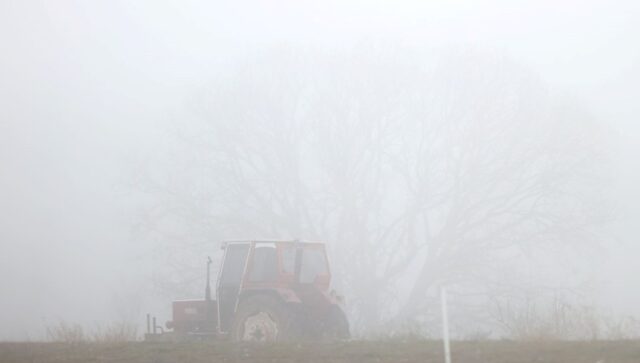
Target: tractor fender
[283,295]
[288,296]
[333,298]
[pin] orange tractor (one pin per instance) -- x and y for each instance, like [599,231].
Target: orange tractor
[266,291]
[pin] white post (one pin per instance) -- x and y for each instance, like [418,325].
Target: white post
[445,326]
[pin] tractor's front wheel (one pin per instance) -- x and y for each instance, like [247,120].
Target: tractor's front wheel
[261,319]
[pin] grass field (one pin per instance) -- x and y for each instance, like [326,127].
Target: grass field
[357,351]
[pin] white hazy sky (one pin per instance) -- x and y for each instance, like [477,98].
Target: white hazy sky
[85,87]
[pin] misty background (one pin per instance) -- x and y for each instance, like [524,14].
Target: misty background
[94,95]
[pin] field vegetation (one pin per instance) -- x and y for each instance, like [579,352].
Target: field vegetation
[391,351]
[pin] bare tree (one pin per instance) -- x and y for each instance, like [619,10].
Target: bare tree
[418,169]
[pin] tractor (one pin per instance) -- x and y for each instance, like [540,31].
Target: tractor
[267,291]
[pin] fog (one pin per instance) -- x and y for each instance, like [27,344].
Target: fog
[117,117]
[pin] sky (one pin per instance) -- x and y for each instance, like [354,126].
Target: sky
[88,89]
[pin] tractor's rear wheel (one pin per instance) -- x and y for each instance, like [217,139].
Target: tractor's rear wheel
[335,325]
[261,319]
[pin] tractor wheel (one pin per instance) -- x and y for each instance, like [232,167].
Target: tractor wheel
[335,325]
[261,319]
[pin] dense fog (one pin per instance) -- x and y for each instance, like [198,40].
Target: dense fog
[489,147]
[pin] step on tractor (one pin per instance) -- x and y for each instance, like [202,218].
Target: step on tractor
[267,291]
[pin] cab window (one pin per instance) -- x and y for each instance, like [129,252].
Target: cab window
[264,266]
[314,264]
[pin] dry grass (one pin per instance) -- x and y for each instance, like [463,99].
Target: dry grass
[116,332]
[559,320]
[119,332]
[356,351]
[67,333]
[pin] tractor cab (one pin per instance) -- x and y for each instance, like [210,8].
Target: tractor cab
[266,290]
[276,268]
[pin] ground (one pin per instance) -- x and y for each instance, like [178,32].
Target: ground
[365,351]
